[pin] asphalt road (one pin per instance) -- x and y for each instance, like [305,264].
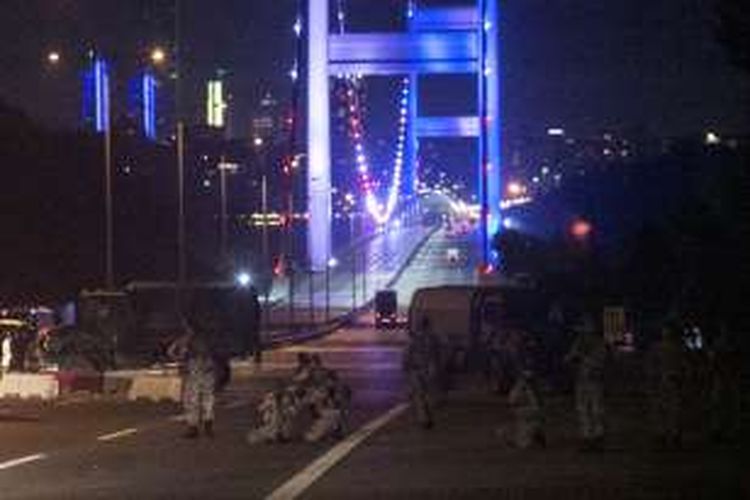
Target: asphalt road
[431,267]
[366,269]
[117,449]
[85,448]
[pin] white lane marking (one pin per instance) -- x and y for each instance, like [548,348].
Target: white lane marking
[119,434]
[306,477]
[21,461]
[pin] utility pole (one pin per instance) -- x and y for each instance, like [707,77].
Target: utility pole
[181,232]
[110,266]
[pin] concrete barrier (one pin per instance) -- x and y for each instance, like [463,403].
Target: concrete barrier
[30,385]
[156,387]
[75,381]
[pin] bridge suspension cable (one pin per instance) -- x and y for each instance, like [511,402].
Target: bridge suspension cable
[381,212]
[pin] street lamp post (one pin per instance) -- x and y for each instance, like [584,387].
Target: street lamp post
[223,194]
[181,233]
[258,142]
[225,168]
[110,272]
[311,292]
[364,277]
[354,280]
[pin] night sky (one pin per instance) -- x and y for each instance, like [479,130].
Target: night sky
[581,64]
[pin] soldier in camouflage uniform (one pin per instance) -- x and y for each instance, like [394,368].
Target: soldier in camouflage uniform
[198,368]
[327,417]
[270,420]
[525,403]
[667,363]
[725,388]
[589,353]
[329,400]
[421,363]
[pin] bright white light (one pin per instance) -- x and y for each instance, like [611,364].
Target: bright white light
[53,57]
[243,279]
[258,142]
[158,56]
[294,74]
[515,189]
[556,132]
[712,138]
[333,262]
[298,27]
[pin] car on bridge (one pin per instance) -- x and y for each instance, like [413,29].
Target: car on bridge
[386,309]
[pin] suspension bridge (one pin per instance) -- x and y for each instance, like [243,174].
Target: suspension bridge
[437,40]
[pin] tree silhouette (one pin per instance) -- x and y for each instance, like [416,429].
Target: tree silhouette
[733,30]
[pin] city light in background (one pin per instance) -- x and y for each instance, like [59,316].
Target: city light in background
[216,105]
[54,57]
[158,56]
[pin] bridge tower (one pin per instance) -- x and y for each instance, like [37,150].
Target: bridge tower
[439,40]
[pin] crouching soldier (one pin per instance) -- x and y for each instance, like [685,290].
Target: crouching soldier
[326,416]
[270,419]
[342,399]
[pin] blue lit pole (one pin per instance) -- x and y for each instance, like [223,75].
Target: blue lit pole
[319,137]
[490,127]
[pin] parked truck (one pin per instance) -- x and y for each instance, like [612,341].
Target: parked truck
[135,325]
[463,317]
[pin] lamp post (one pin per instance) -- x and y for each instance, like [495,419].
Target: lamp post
[332,264]
[354,279]
[258,143]
[110,279]
[181,233]
[225,168]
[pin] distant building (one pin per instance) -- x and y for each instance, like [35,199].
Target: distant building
[268,120]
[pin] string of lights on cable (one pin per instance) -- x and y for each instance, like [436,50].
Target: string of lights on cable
[381,212]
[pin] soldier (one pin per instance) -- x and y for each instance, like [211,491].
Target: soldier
[724,393]
[327,416]
[303,368]
[668,370]
[199,381]
[421,362]
[342,397]
[589,353]
[270,420]
[525,403]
